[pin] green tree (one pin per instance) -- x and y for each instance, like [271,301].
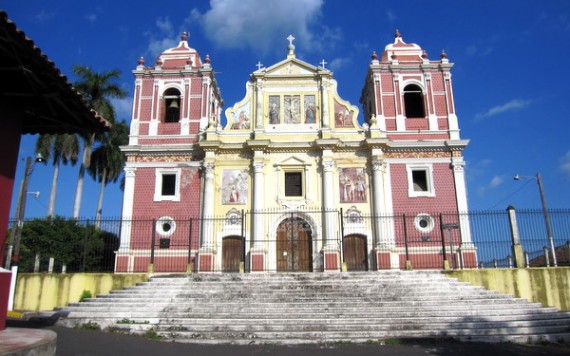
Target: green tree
[97,89]
[79,247]
[62,148]
[107,160]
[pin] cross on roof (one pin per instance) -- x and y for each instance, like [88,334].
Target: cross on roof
[290,39]
[259,65]
[323,63]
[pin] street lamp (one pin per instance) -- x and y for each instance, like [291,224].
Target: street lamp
[16,234]
[545,212]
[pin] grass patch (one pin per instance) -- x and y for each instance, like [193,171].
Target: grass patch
[130,322]
[89,326]
[152,335]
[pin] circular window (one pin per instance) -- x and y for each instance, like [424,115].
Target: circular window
[424,223]
[165,226]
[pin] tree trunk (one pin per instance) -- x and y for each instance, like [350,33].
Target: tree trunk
[53,192]
[81,179]
[100,201]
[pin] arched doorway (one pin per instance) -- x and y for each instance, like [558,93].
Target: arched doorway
[355,252]
[232,253]
[294,246]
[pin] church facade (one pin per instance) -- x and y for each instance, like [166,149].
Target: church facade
[290,180]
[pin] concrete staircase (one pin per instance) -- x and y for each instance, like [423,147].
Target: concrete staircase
[319,308]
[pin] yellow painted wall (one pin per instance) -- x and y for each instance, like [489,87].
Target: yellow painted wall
[549,286]
[42,291]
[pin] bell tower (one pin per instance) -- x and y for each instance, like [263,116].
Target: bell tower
[174,100]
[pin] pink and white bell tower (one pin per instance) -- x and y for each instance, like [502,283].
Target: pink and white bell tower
[416,152]
[174,101]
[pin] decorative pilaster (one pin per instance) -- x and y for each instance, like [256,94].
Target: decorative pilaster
[386,257]
[331,252]
[124,261]
[207,251]
[257,252]
[325,100]
[259,108]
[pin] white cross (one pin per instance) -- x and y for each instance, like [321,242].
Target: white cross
[259,65]
[323,63]
[290,39]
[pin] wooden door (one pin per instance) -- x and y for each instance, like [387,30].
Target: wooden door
[355,252]
[294,246]
[232,253]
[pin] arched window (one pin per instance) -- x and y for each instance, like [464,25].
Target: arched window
[414,101]
[172,105]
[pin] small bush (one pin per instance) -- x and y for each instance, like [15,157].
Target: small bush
[86,294]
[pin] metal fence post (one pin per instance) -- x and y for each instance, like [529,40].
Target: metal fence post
[445,261]
[408,262]
[153,239]
[189,264]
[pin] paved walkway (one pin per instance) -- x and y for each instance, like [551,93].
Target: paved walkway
[86,342]
[73,342]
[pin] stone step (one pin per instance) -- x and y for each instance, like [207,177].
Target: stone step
[120,313]
[318,307]
[311,304]
[323,335]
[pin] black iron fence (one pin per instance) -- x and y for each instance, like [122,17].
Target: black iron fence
[308,241]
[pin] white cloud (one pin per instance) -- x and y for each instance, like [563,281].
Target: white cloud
[565,165]
[164,25]
[391,16]
[164,39]
[91,18]
[263,25]
[338,63]
[495,182]
[43,16]
[513,105]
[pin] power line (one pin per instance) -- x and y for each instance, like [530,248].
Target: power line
[510,195]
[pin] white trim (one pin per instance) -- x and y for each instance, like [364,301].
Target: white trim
[425,217]
[159,172]
[159,226]
[428,168]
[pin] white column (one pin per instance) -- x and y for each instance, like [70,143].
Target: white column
[328,202]
[127,212]
[208,206]
[259,109]
[325,101]
[378,169]
[258,203]
[458,165]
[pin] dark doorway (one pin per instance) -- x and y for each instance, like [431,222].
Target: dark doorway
[294,246]
[232,253]
[355,252]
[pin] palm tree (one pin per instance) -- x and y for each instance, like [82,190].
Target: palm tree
[107,160]
[97,89]
[64,148]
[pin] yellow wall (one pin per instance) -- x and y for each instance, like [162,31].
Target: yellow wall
[42,291]
[549,286]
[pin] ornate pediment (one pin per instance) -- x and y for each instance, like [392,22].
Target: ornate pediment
[292,161]
[289,67]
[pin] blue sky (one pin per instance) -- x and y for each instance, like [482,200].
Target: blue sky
[509,80]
